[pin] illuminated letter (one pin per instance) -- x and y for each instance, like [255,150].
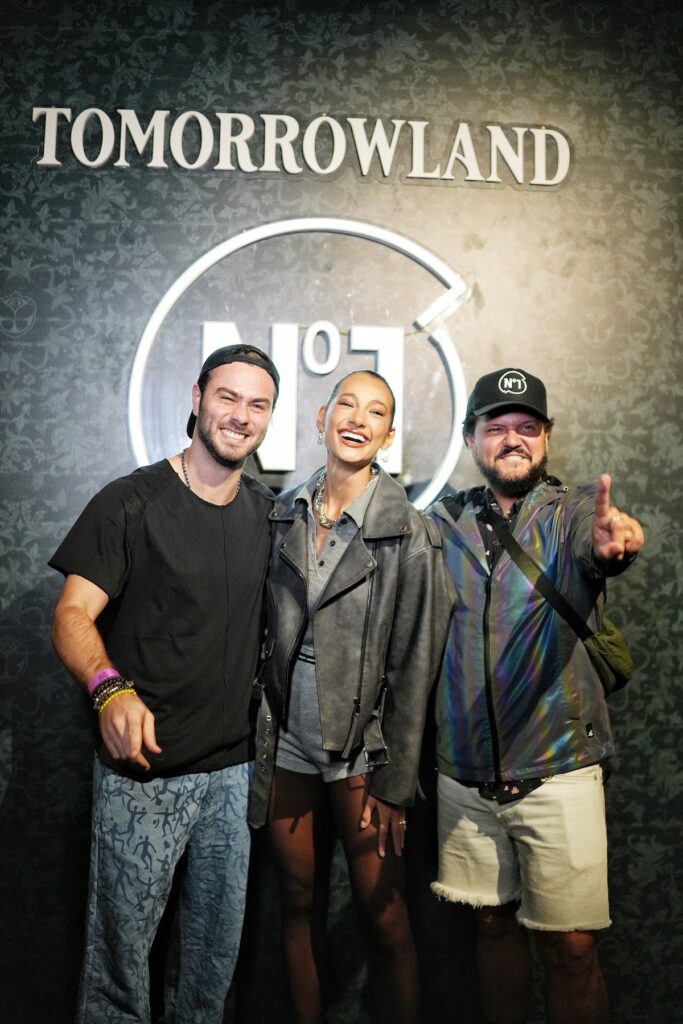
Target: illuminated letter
[216,334]
[333,348]
[379,143]
[156,128]
[205,146]
[418,168]
[227,139]
[277,453]
[52,115]
[540,151]
[78,130]
[500,144]
[463,150]
[272,142]
[338,145]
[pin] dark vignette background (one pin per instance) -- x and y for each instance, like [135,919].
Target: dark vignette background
[579,284]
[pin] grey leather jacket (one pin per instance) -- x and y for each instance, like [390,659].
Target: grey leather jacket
[379,633]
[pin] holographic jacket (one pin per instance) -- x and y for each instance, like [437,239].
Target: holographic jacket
[518,697]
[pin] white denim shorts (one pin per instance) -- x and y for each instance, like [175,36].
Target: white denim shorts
[547,850]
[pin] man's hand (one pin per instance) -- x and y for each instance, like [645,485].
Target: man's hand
[126,724]
[391,820]
[127,727]
[614,533]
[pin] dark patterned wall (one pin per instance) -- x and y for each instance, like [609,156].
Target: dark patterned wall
[578,283]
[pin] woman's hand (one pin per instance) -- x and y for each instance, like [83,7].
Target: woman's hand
[390,820]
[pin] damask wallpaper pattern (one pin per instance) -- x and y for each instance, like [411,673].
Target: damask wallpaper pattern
[579,283]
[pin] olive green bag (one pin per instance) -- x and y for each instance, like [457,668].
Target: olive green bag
[609,654]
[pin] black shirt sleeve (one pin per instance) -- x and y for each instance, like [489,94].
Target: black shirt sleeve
[97,545]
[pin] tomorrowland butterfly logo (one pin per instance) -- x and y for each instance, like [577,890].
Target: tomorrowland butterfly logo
[17,314]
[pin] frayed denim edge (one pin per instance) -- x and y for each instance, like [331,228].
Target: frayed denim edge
[534,926]
[453,896]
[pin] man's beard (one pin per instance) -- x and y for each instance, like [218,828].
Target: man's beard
[516,487]
[228,461]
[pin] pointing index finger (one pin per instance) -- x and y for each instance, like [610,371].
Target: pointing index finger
[602,496]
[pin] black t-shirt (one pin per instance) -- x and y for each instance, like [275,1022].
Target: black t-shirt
[185,580]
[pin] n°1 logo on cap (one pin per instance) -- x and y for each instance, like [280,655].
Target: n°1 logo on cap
[512,383]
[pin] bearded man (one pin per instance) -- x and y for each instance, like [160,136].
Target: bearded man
[159,620]
[523,727]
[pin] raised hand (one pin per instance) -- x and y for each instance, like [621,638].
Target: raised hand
[614,533]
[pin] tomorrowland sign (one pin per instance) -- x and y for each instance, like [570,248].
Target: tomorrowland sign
[282,144]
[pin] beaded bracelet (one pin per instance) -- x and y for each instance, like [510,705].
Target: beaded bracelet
[103,693]
[104,698]
[105,689]
[110,698]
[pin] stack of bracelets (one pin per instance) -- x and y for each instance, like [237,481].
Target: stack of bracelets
[106,685]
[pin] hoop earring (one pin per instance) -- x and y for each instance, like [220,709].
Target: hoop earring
[321,437]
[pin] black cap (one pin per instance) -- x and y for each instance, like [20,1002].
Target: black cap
[237,354]
[505,388]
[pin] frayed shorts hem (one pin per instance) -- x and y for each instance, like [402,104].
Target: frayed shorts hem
[447,892]
[451,895]
[535,926]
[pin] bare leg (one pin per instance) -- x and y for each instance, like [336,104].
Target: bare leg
[301,835]
[378,887]
[575,987]
[503,964]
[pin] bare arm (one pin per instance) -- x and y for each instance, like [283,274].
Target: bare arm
[126,724]
[75,636]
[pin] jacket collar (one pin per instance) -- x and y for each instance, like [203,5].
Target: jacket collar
[387,515]
[462,518]
[547,492]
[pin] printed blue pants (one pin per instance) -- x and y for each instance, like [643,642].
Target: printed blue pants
[139,832]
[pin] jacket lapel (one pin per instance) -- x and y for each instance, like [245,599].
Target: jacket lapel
[293,547]
[356,564]
[467,529]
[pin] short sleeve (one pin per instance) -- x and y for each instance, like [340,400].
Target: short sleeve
[96,547]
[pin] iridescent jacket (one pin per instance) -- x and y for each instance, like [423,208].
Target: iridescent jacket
[518,697]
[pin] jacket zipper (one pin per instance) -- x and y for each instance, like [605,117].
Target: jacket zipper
[297,638]
[495,744]
[348,746]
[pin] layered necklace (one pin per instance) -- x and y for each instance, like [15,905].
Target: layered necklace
[187,479]
[318,498]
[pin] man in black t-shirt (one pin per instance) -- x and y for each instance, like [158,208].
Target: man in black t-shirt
[159,619]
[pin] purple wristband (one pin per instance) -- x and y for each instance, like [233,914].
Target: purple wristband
[99,677]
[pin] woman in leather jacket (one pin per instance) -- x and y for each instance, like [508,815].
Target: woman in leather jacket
[359,605]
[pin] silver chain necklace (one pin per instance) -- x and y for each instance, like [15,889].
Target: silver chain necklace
[324,521]
[184,469]
[187,479]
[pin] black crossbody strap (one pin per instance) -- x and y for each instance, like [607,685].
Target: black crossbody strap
[534,573]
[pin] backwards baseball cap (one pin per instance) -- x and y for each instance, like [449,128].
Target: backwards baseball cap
[237,354]
[505,388]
